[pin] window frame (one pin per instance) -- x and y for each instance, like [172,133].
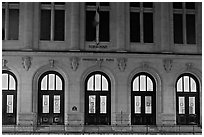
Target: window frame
[184,11]
[141,10]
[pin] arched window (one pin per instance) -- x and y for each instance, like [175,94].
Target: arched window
[51,98]
[97,99]
[187,99]
[9,98]
[143,100]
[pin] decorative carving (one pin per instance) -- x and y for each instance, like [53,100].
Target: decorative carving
[99,62]
[4,64]
[167,64]
[52,63]
[189,66]
[122,64]
[74,108]
[74,63]
[26,62]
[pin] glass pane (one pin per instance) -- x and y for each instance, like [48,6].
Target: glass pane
[4,81]
[13,24]
[90,83]
[186,83]
[104,3]
[59,25]
[134,4]
[190,29]
[142,83]
[104,84]
[177,5]
[148,27]
[104,26]
[59,3]
[181,105]
[45,103]
[9,104]
[3,24]
[44,83]
[180,85]
[97,82]
[137,104]
[178,29]
[92,104]
[136,84]
[12,83]
[148,104]
[90,26]
[193,85]
[103,104]
[51,81]
[191,105]
[190,5]
[134,26]
[91,3]
[56,103]
[149,84]
[148,4]
[45,26]
[58,83]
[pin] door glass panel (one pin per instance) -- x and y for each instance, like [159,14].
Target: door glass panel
[149,84]
[90,83]
[51,81]
[148,104]
[181,105]
[58,83]
[97,82]
[9,104]
[56,103]
[44,83]
[92,104]
[137,104]
[103,104]
[45,103]
[104,84]
[12,84]
[136,84]
[4,81]
[186,84]
[193,85]
[142,83]
[191,105]
[179,85]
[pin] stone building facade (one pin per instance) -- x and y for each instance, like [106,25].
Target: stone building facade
[102,67]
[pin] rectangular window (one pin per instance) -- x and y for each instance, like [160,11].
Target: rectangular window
[97,82]
[141,22]
[45,104]
[184,22]
[137,104]
[97,22]
[10,20]
[148,104]
[191,105]
[92,104]
[4,81]
[181,105]
[56,103]
[103,104]
[52,21]
[9,104]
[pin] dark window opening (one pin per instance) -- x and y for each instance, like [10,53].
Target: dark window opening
[147,4]
[190,28]
[104,26]
[134,27]
[178,29]
[177,5]
[3,24]
[45,28]
[59,3]
[104,3]
[148,27]
[13,24]
[90,26]
[190,5]
[134,4]
[59,25]
[91,3]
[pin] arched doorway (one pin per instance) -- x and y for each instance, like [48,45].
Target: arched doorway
[187,100]
[9,98]
[97,99]
[51,99]
[143,99]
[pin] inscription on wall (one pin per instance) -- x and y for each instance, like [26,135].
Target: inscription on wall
[98,46]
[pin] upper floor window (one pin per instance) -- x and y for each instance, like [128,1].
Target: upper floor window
[10,20]
[184,22]
[52,21]
[97,21]
[141,22]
